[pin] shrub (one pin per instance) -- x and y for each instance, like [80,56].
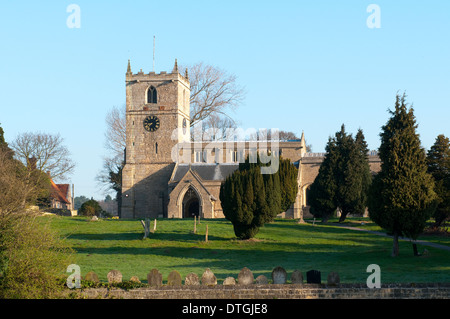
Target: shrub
[32,259]
[90,208]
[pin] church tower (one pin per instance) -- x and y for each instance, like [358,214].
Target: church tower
[157,118]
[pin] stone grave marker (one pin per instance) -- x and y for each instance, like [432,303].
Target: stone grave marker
[229,281]
[261,280]
[245,277]
[174,279]
[297,277]
[208,278]
[313,277]
[333,279]
[154,278]
[91,276]
[279,275]
[114,276]
[191,280]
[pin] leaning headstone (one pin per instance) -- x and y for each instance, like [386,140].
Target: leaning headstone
[279,275]
[191,280]
[245,277]
[208,278]
[154,278]
[261,280]
[333,278]
[297,277]
[313,277]
[174,279]
[114,276]
[229,281]
[91,276]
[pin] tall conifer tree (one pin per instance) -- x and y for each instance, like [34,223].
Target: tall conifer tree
[344,177]
[250,199]
[438,160]
[401,196]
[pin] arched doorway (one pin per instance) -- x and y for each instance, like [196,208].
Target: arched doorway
[191,204]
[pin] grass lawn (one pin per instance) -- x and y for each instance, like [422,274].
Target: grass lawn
[117,244]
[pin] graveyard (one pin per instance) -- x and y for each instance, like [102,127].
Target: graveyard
[182,246]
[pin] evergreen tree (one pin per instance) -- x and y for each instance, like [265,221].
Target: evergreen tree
[323,189]
[344,177]
[4,147]
[353,175]
[438,160]
[288,184]
[401,196]
[366,175]
[90,208]
[250,199]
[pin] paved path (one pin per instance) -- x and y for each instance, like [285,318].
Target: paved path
[420,242]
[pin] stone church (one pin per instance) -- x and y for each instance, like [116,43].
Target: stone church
[166,175]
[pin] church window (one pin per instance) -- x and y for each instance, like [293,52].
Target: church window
[152,95]
[198,156]
[156,148]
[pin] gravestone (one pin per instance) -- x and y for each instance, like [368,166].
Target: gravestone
[229,281]
[279,275]
[135,279]
[245,277]
[154,278]
[261,280]
[114,276]
[208,278]
[297,277]
[333,278]
[174,279]
[313,277]
[191,280]
[91,276]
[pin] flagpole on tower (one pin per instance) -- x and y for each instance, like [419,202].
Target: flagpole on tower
[153,53]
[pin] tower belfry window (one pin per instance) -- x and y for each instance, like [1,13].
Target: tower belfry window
[152,95]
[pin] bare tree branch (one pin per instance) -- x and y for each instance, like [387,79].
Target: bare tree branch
[212,91]
[45,152]
[116,131]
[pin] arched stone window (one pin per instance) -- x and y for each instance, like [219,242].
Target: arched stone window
[152,95]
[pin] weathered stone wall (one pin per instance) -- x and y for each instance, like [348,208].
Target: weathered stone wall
[248,287]
[287,291]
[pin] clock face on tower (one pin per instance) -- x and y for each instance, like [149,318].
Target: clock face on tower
[151,123]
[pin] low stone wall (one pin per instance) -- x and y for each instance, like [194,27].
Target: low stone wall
[274,291]
[245,286]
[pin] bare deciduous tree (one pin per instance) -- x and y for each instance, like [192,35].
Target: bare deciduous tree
[214,128]
[44,152]
[213,91]
[116,131]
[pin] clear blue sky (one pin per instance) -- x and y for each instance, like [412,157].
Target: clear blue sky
[307,65]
